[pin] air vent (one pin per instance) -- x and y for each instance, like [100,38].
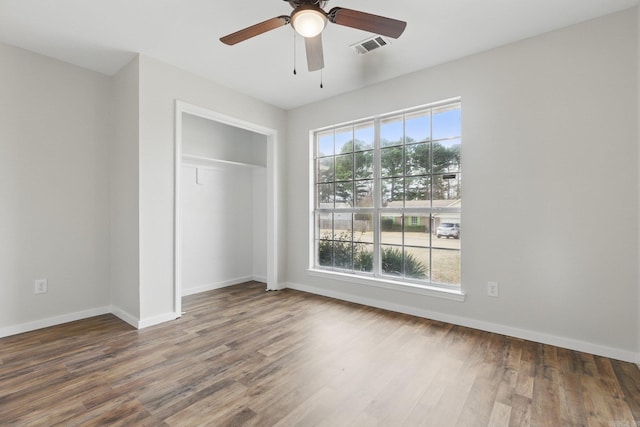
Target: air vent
[373,43]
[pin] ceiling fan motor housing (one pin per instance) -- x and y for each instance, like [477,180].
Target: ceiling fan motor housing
[318,3]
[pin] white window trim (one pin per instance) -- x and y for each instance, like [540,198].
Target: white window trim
[433,290]
[408,287]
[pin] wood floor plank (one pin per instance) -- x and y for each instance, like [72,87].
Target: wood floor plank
[500,415]
[241,356]
[628,377]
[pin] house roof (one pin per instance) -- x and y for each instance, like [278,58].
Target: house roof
[420,204]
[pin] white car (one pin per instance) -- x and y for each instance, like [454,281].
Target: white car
[448,229]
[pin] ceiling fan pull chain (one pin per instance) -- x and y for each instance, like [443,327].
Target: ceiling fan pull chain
[294,54]
[321,78]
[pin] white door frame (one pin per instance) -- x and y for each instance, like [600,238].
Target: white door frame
[272,193]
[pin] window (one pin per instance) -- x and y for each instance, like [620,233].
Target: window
[387,197]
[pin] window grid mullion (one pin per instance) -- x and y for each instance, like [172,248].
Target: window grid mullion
[377,197]
[431,219]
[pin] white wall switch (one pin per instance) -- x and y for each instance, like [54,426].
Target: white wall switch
[492,289]
[41,286]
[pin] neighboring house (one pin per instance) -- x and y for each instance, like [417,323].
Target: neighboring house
[423,221]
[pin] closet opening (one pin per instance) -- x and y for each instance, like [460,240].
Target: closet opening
[225,222]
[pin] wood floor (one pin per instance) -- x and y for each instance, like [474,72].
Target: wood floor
[243,356]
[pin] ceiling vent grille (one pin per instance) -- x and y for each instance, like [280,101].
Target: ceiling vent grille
[373,43]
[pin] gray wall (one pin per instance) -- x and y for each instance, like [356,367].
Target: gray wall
[55,130]
[550,156]
[124,228]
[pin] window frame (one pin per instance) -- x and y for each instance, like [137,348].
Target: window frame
[376,277]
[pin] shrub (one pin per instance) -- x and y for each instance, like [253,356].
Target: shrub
[336,252]
[345,253]
[362,259]
[392,264]
[325,252]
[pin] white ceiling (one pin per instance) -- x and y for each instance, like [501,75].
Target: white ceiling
[103,35]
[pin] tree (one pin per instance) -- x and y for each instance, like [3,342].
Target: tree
[446,159]
[392,169]
[354,164]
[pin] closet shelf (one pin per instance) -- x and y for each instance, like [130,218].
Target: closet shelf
[188,159]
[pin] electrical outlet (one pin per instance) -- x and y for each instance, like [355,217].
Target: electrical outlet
[41,286]
[492,289]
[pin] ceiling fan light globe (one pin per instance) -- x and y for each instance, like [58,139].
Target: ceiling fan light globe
[308,22]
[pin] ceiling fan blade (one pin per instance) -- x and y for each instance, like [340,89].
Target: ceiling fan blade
[366,21]
[255,30]
[315,56]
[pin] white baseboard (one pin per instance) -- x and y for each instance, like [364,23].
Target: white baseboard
[52,321]
[261,279]
[218,285]
[123,315]
[118,312]
[71,317]
[156,320]
[586,347]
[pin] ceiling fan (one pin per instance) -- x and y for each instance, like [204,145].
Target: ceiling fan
[309,19]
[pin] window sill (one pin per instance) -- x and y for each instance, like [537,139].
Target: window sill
[432,291]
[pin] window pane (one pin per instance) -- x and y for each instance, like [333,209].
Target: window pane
[363,242]
[392,262]
[326,171]
[416,263]
[391,162]
[391,229]
[448,230]
[364,194]
[364,134]
[417,192]
[344,194]
[391,131]
[417,159]
[363,228]
[344,140]
[363,257]
[446,266]
[392,192]
[325,253]
[417,127]
[446,156]
[343,254]
[324,239]
[325,195]
[446,187]
[364,165]
[446,122]
[325,144]
[324,226]
[342,225]
[343,240]
[344,167]
[416,230]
